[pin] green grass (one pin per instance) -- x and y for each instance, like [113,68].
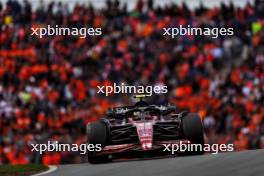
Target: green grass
[21,170]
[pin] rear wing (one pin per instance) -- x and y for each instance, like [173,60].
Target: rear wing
[122,112]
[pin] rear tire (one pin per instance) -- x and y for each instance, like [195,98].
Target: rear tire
[193,131]
[97,133]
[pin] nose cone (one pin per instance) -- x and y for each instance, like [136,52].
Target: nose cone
[145,134]
[146,145]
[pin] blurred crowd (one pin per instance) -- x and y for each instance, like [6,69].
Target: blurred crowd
[48,85]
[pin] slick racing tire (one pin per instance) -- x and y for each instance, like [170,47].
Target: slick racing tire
[193,131]
[97,133]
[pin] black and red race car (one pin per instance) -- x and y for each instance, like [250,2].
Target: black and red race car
[142,130]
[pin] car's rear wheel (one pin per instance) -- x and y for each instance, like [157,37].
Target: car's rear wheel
[193,131]
[97,134]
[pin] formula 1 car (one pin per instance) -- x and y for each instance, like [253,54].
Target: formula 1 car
[142,130]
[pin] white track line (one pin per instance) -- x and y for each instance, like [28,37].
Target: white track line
[51,169]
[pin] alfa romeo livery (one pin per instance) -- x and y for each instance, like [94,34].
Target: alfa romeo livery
[142,130]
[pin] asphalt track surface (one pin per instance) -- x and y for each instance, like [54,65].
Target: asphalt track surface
[246,163]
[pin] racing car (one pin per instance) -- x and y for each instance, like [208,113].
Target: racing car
[142,130]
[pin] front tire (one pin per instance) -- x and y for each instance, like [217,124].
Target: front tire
[193,131]
[97,133]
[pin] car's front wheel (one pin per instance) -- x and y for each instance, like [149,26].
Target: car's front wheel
[193,131]
[97,134]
